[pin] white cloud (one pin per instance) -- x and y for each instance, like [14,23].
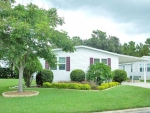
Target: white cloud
[81,22]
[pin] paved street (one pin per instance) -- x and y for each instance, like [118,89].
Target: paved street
[136,110]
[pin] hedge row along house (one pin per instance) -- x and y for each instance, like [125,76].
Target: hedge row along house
[85,56]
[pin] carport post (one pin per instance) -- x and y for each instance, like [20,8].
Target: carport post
[132,71]
[144,72]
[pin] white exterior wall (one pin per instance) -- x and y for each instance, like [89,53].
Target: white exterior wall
[80,59]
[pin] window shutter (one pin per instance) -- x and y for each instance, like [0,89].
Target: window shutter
[109,61]
[91,61]
[46,65]
[67,63]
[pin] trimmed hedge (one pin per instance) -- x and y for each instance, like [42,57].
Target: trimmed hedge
[101,87]
[119,75]
[7,73]
[67,86]
[77,75]
[108,85]
[44,75]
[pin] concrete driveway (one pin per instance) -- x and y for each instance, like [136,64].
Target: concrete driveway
[139,84]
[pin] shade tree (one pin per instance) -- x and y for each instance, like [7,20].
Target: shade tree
[28,32]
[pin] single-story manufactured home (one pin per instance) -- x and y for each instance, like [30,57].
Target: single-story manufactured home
[85,56]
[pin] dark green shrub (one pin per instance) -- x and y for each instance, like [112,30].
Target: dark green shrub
[7,73]
[98,73]
[77,75]
[44,75]
[119,75]
[32,66]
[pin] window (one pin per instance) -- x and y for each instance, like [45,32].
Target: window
[141,68]
[96,60]
[148,67]
[104,61]
[62,63]
[123,67]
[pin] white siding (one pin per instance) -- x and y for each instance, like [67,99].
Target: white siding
[80,59]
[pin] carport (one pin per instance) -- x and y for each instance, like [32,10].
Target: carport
[130,59]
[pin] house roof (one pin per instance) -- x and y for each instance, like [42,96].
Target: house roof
[122,58]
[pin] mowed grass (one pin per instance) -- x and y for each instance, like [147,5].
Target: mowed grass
[143,80]
[73,101]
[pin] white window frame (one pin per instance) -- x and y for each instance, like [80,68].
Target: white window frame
[61,63]
[148,64]
[141,66]
[96,59]
[104,59]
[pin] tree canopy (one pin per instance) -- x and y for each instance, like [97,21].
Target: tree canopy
[100,40]
[27,32]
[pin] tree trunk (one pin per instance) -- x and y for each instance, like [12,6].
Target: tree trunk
[20,88]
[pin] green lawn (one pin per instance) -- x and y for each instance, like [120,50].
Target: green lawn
[143,80]
[73,101]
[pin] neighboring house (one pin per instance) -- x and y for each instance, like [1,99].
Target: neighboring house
[82,58]
[137,69]
[3,64]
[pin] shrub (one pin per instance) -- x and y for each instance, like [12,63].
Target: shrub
[32,66]
[54,85]
[46,84]
[106,85]
[119,75]
[101,87]
[62,85]
[77,75]
[98,73]
[85,87]
[110,84]
[67,85]
[92,84]
[72,86]
[7,73]
[44,75]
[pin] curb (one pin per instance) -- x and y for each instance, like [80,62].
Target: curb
[134,110]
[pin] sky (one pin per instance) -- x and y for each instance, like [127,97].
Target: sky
[128,20]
